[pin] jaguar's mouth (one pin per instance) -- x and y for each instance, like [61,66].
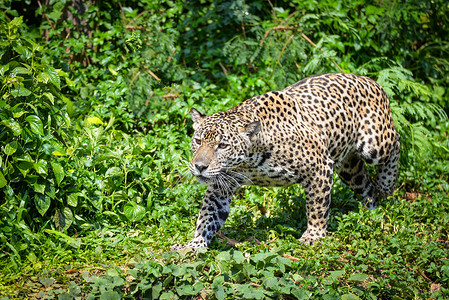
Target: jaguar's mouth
[203,179]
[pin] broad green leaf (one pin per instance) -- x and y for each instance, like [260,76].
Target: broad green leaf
[63,218]
[188,290]
[58,149]
[24,167]
[113,171]
[271,282]
[50,75]
[349,297]
[22,50]
[110,295]
[238,257]
[72,199]
[134,212]
[220,293]
[13,125]
[300,293]
[35,124]
[168,296]
[3,69]
[50,97]
[265,257]
[19,70]
[336,274]
[54,77]
[156,290]
[42,203]
[20,91]
[224,255]
[10,148]
[41,167]
[357,277]
[3,181]
[39,188]
[58,170]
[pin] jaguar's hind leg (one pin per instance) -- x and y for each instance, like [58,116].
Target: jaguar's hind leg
[354,174]
[387,172]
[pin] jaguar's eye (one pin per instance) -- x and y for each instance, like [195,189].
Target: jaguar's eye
[222,146]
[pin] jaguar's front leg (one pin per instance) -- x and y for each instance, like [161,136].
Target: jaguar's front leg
[318,198]
[213,213]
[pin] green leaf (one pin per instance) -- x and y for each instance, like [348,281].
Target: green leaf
[13,125]
[188,290]
[156,290]
[10,148]
[358,277]
[24,51]
[20,71]
[35,124]
[3,181]
[50,97]
[42,203]
[20,91]
[220,293]
[63,218]
[113,171]
[41,167]
[224,255]
[271,283]
[336,274]
[18,114]
[54,77]
[39,188]
[110,295]
[15,23]
[58,170]
[72,199]
[4,69]
[134,212]
[349,297]
[238,257]
[300,293]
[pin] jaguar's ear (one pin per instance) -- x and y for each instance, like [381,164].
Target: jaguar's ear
[197,118]
[251,130]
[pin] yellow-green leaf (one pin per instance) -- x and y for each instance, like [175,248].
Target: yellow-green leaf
[3,181]
[93,121]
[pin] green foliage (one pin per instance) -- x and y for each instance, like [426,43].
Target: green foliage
[94,143]
[33,130]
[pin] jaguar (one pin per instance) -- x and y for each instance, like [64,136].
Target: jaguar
[300,135]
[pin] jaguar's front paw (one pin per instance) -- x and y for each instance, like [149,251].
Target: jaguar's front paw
[311,236]
[370,203]
[177,247]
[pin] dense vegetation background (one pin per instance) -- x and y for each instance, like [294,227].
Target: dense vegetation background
[94,142]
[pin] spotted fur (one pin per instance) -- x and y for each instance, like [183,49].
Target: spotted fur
[302,134]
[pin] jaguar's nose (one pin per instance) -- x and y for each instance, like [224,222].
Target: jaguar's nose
[201,167]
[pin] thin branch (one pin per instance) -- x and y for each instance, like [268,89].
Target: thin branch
[151,73]
[291,257]
[267,33]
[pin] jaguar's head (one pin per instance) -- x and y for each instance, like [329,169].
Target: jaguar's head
[220,144]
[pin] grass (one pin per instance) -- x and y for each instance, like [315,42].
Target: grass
[398,251]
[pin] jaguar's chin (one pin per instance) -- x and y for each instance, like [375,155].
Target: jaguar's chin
[203,179]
